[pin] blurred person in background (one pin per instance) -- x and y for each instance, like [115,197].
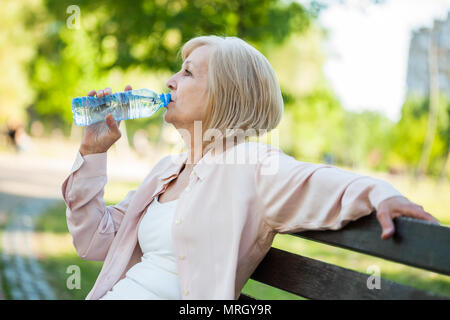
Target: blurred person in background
[18,137]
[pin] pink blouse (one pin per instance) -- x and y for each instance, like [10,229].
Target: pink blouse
[226,218]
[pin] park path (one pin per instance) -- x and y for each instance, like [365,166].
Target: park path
[30,183]
[21,271]
[27,188]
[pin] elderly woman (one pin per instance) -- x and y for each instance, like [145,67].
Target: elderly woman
[201,221]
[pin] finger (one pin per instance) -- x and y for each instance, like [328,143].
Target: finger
[100,93]
[107,91]
[432,219]
[423,215]
[112,123]
[108,119]
[92,93]
[387,225]
[128,87]
[415,211]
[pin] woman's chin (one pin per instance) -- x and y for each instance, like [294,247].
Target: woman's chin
[168,117]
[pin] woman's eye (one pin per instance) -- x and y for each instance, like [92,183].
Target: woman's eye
[187,72]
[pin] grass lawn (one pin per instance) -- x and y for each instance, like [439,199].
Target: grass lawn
[56,251]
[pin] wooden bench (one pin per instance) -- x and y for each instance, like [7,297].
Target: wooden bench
[415,243]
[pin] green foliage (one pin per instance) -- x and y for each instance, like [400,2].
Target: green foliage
[367,135]
[315,118]
[409,134]
[121,43]
[320,128]
[316,128]
[16,48]
[116,36]
[150,33]
[57,80]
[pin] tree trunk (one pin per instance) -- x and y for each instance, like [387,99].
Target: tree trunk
[433,106]
[444,173]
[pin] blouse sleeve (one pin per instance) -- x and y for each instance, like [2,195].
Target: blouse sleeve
[298,196]
[93,225]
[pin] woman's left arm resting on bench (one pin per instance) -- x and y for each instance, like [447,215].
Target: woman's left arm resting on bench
[299,196]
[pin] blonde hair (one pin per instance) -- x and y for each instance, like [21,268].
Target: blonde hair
[243,91]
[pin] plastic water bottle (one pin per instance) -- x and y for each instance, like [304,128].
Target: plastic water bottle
[124,105]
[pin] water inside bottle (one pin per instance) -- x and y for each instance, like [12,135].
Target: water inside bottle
[122,106]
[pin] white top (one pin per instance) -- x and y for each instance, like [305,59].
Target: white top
[155,277]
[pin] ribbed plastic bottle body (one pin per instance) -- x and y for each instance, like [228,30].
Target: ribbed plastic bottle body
[122,105]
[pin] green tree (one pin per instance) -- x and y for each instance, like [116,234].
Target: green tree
[16,48]
[408,135]
[145,34]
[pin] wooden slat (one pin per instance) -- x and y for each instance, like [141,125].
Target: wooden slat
[314,279]
[416,243]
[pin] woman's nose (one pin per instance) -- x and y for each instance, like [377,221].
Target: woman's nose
[171,83]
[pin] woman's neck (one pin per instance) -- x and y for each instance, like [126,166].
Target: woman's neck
[197,148]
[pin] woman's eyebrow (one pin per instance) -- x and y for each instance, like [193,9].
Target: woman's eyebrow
[188,62]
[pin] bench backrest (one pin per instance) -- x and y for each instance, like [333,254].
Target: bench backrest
[416,243]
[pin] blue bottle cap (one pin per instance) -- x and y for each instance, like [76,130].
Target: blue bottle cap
[165,99]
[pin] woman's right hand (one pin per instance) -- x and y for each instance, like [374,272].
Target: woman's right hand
[100,136]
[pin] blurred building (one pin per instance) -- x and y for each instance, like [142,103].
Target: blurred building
[422,40]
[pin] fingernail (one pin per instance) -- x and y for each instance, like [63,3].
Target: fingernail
[388,233]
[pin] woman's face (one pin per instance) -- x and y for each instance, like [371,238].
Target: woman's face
[189,90]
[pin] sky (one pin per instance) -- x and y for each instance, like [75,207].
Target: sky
[368,49]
